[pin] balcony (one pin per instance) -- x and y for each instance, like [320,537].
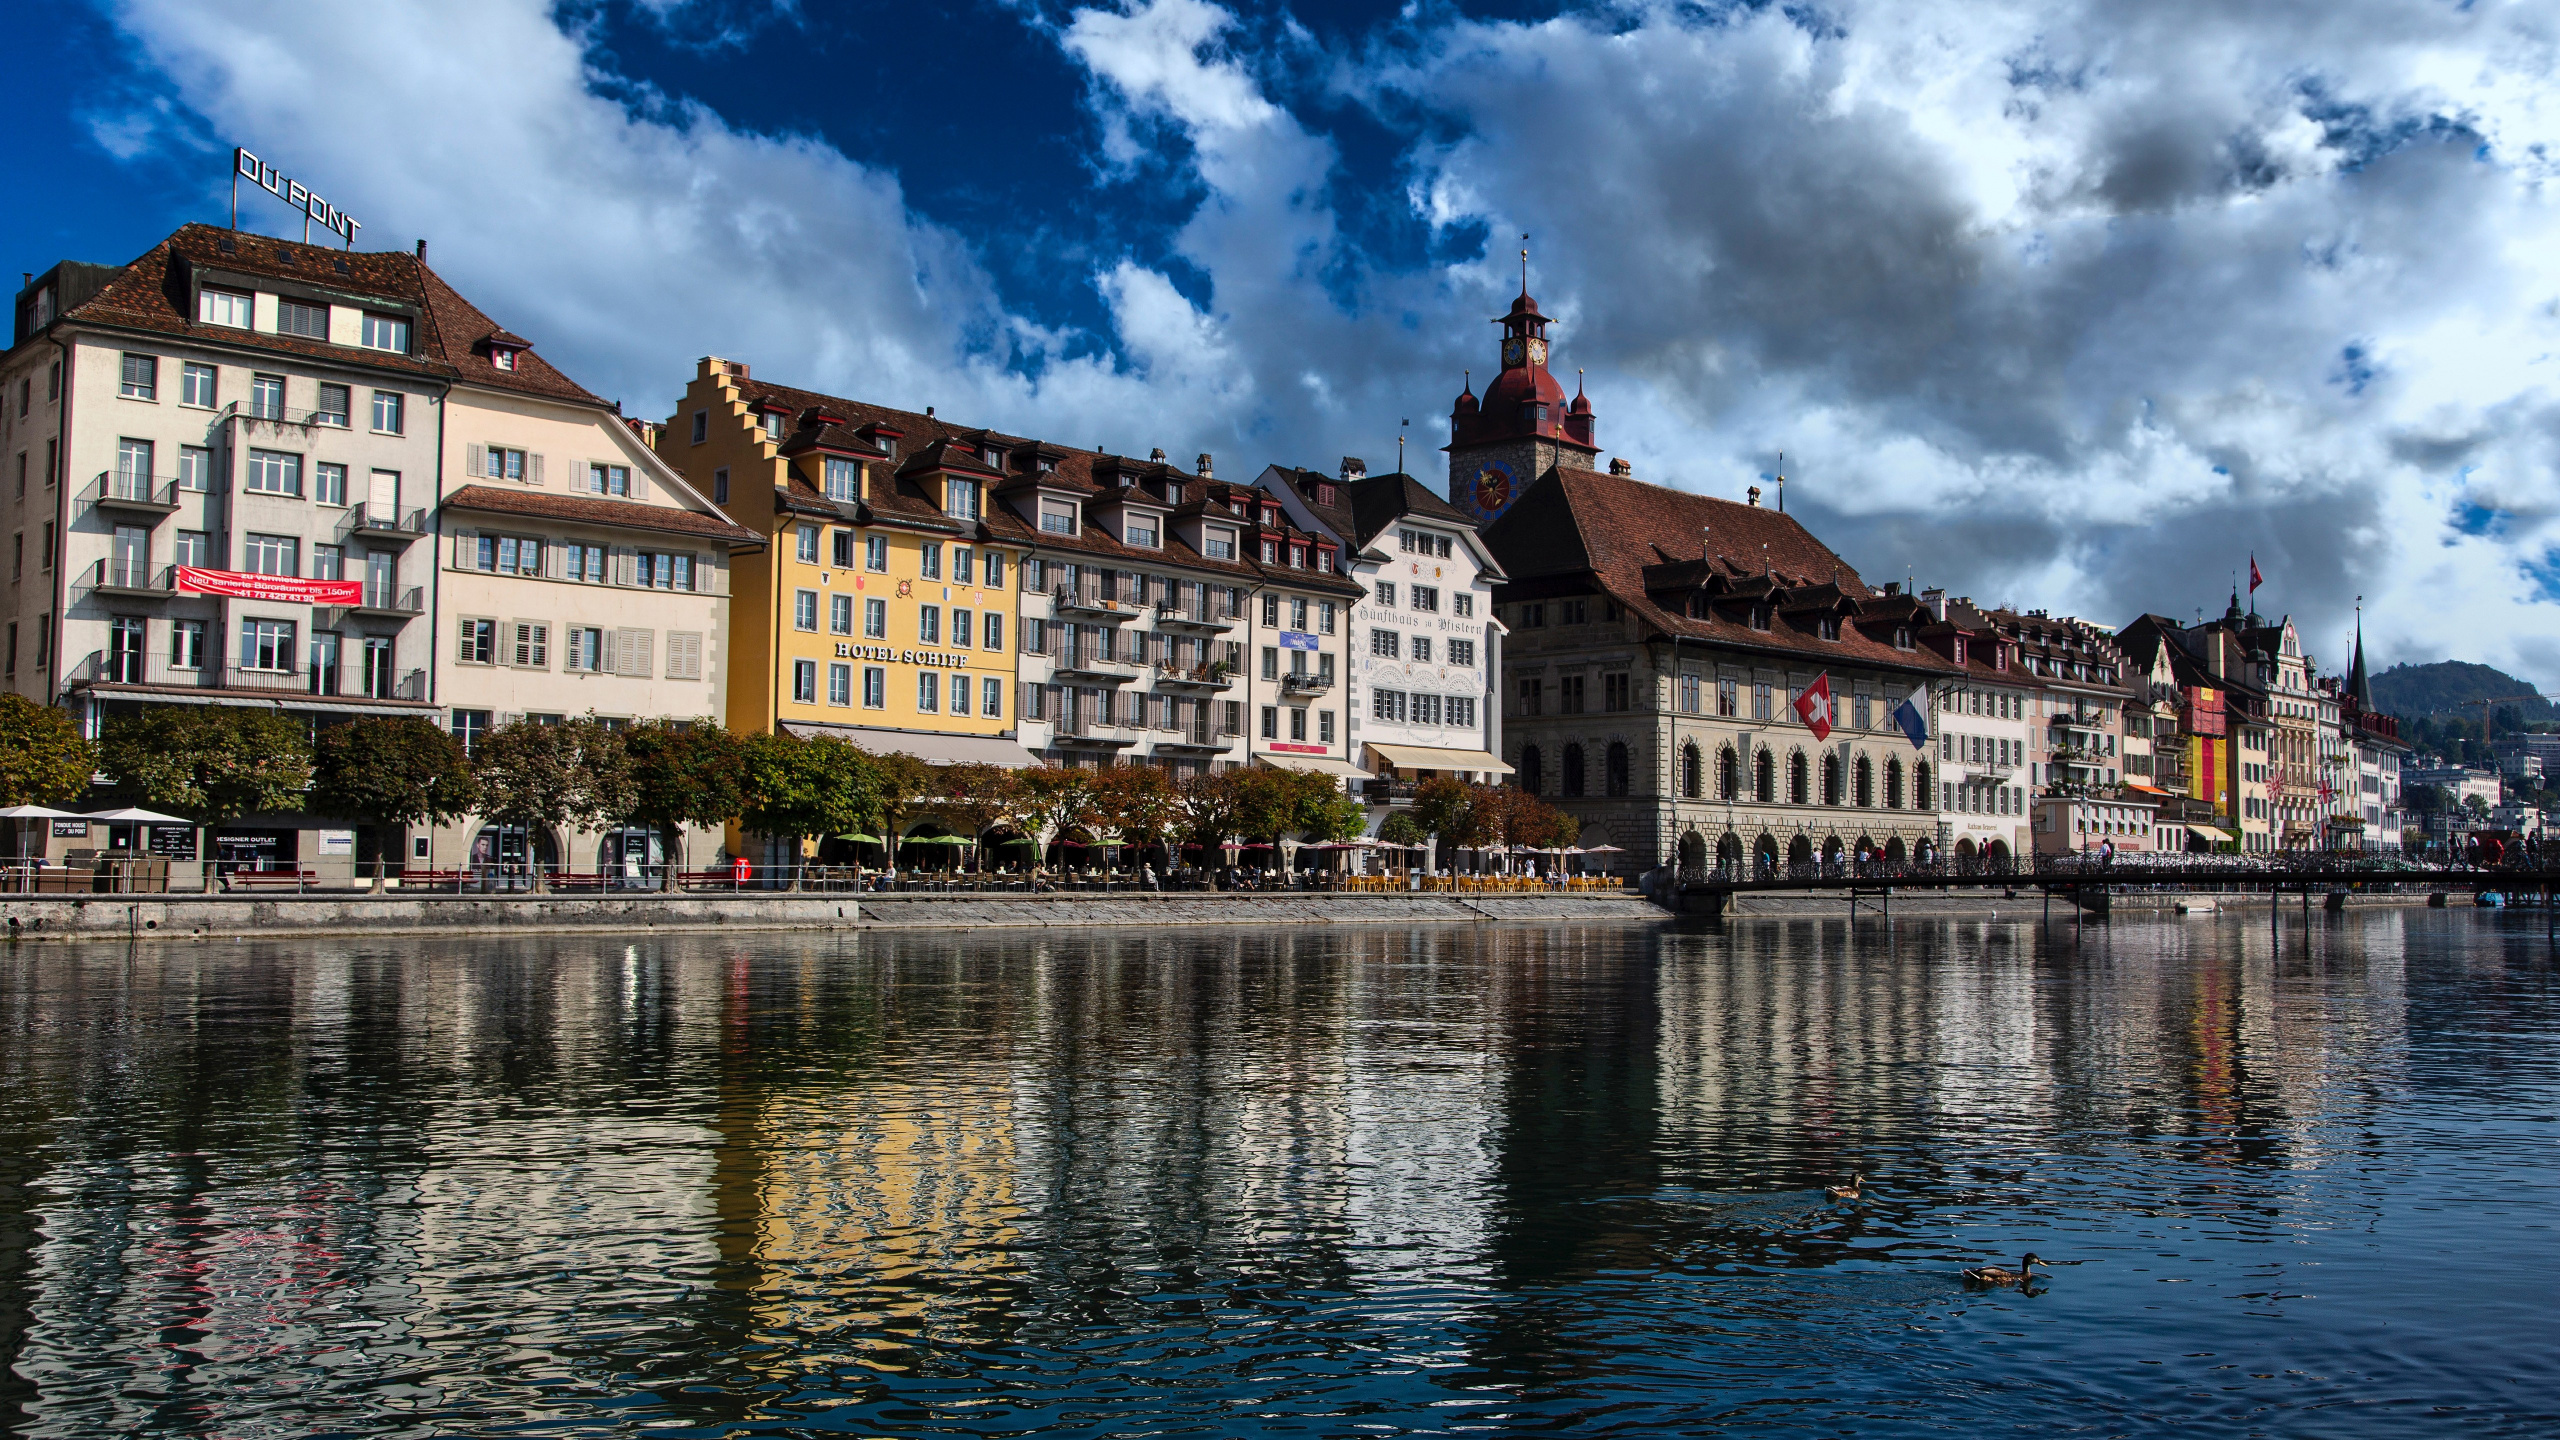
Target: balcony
[1078,601]
[104,668]
[134,580]
[1299,682]
[1095,734]
[388,602]
[386,523]
[1196,737]
[1199,619]
[1083,662]
[1383,791]
[135,494]
[1203,679]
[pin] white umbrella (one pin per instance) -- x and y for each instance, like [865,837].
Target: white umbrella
[1602,849]
[39,812]
[131,816]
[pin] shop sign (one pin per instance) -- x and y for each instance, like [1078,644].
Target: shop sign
[245,166]
[276,589]
[71,829]
[337,842]
[1297,640]
[1299,749]
[173,842]
[948,659]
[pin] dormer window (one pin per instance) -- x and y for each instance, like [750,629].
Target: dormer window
[1827,627]
[1173,492]
[1270,552]
[1058,517]
[992,458]
[959,498]
[1218,543]
[1325,495]
[773,424]
[218,307]
[1140,530]
[1759,617]
[1901,637]
[1960,650]
[1324,559]
[1048,467]
[844,480]
[1298,557]
[2000,657]
[502,358]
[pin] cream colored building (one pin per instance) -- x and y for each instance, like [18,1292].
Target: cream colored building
[579,575]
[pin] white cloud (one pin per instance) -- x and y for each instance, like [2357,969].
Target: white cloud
[2073,303]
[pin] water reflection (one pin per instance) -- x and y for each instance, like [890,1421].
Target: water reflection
[1325,1181]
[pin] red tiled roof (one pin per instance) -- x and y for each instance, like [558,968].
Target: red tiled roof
[598,510]
[1579,530]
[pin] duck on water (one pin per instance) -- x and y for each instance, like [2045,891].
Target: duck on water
[1998,1275]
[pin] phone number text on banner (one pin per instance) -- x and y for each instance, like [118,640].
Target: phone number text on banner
[280,589]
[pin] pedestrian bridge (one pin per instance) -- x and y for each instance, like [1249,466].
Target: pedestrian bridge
[2086,881]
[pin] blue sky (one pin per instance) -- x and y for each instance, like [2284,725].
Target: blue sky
[2070,305]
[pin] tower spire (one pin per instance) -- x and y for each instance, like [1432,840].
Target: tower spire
[1524,262]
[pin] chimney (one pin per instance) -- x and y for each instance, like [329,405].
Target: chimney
[1156,456]
[928,412]
[1936,600]
[1203,470]
[1893,587]
[1354,468]
[1621,468]
[422,249]
[1755,495]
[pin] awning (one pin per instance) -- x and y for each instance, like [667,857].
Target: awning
[1423,757]
[1315,764]
[2210,834]
[925,745]
[2144,789]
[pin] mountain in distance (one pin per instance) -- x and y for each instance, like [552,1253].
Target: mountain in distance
[2410,691]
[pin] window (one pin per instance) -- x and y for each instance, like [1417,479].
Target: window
[1141,533]
[141,378]
[224,307]
[1057,518]
[329,484]
[390,409]
[1532,769]
[662,570]
[1613,692]
[1426,597]
[964,565]
[875,687]
[608,479]
[701,426]
[875,619]
[186,645]
[1573,771]
[840,685]
[293,317]
[385,332]
[195,547]
[1760,702]
[960,499]
[995,569]
[1219,544]
[1799,780]
[1270,722]
[1387,593]
[929,624]
[196,385]
[584,649]
[990,695]
[1271,611]
[48,547]
[1569,694]
[328,562]
[469,726]
[960,629]
[502,358]
[270,554]
[1421,649]
[1425,709]
[267,645]
[991,631]
[476,642]
[928,691]
[875,554]
[929,560]
[843,480]
[1324,617]
[720,486]
[1533,696]
[804,681]
[134,464]
[1462,605]
[1386,705]
[1386,643]
[1614,769]
[530,646]
[840,615]
[1270,552]
[804,610]
[503,463]
[274,472]
[1270,663]
[960,695]
[805,538]
[1297,724]
[266,397]
[584,562]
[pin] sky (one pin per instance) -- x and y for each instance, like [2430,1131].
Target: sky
[2072,306]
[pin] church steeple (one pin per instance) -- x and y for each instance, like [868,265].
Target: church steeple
[1523,427]
[2359,684]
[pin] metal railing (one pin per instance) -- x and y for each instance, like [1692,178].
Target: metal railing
[136,576]
[1212,677]
[388,521]
[1300,680]
[125,488]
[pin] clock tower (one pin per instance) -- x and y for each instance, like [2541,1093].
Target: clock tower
[1523,427]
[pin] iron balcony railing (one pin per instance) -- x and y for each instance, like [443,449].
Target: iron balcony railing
[126,490]
[1302,682]
[138,578]
[387,521]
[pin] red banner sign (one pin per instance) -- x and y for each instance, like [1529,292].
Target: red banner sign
[279,589]
[1297,749]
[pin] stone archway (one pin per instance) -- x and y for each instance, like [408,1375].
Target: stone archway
[1693,851]
[1766,851]
[1893,852]
[1800,851]
[1831,851]
[1996,854]
[1729,850]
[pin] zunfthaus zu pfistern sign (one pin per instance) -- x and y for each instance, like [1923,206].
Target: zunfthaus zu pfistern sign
[292,192]
[947,659]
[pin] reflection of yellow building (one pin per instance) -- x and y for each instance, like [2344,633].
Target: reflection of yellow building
[884,600]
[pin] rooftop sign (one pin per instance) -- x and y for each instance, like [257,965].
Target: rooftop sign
[292,192]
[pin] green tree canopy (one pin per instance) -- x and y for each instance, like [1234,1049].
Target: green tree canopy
[1059,798]
[209,763]
[798,788]
[684,774]
[1400,828]
[1138,801]
[575,774]
[43,758]
[907,787]
[391,770]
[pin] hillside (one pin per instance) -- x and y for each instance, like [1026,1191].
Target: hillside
[2410,691]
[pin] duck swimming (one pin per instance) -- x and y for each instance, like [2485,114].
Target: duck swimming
[1848,1191]
[1996,1275]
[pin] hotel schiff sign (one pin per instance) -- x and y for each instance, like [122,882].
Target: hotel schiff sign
[947,659]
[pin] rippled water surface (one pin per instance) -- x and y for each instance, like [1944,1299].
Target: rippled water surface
[1328,1182]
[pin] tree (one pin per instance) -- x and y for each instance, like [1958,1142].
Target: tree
[1139,802]
[905,785]
[576,775]
[209,763]
[1208,805]
[797,788]
[1400,828]
[684,774]
[973,797]
[1266,801]
[43,758]
[1056,799]
[391,771]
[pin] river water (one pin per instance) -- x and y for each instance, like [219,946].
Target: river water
[1438,1180]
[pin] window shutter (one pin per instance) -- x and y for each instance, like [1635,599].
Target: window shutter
[684,654]
[477,461]
[608,656]
[639,483]
[711,572]
[626,565]
[466,549]
[533,469]
[631,651]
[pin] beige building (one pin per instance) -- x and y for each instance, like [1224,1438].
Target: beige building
[580,575]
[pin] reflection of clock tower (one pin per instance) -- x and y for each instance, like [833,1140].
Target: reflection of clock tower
[1501,445]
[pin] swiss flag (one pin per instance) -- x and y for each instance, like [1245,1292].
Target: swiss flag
[1813,707]
[2255,579]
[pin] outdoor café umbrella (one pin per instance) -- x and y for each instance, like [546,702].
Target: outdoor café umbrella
[131,816]
[861,839]
[37,812]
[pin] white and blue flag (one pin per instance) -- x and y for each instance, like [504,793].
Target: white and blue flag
[1912,717]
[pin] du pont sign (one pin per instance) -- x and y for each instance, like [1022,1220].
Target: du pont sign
[245,166]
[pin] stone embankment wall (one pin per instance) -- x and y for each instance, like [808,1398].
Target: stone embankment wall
[93,917]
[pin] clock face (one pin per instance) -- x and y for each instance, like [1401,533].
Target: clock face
[1511,354]
[1495,488]
[1537,352]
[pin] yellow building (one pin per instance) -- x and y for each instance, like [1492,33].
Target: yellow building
[884,605]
